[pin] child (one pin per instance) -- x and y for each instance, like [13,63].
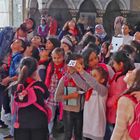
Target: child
[72,102]
[17,47]
[55,71]
[94,122]
[33,124]
[126,107]
[43,28]
[126,30]
[121,64]
[67,44]
[43,63]
[91,61]
[105,55]
[52,43]
[37,41]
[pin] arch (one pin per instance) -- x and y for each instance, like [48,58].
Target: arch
[95,2]
[69,3]
[123,5]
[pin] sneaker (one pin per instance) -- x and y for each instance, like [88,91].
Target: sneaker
[8,137]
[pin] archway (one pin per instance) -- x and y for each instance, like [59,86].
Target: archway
[59,11]
[87,13]
[112,11]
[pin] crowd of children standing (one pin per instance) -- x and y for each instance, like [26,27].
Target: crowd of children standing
[91,96]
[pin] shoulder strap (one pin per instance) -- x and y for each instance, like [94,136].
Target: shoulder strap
[40,107]
[132,98]
[31,84]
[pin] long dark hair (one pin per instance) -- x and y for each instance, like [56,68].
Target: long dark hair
[27,67]
[72,56]
[86,54]
[136,84]
[121,56]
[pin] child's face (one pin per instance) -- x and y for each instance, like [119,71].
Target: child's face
[81,61]
[16,45]
[71,25]
[130,77]
[36,40]
[44,53]
[95,73]
[93,60]
[57,58]
[104,48]
[125,30]
[65,47]
[49,45]
[117,66]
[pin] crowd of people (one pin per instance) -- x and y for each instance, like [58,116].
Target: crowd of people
[72,76]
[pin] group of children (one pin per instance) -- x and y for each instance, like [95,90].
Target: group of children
[88,94]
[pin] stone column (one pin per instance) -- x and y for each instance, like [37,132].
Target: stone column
[11,13]
[124,13]
[73,12]
[99,17]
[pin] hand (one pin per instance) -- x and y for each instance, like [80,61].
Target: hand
[71,70]
[65,27]
[74,95]
[6,81]
[110,47]
[136,94]
[79,67]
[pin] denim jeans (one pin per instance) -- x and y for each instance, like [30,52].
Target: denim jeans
[51,123]
[73,121]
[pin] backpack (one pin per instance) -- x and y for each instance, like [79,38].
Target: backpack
[134,127]
[29,92]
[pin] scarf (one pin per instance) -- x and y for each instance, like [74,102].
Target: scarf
[57,70]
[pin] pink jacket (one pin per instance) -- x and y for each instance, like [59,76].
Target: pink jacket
[115,90]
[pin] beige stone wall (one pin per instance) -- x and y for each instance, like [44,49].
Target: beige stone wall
[135,5]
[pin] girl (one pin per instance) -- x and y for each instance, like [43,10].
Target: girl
[43,63]
[70,28]
[52,43]
[126,29]
[55,71]
[125,118]
[33,122]
[121,64]
[43,28]
[37,41]
[72,102]
[67,44]
[94,123]
[91,61]
[105,53]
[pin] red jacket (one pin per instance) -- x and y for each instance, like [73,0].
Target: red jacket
[53,27]
[115,90]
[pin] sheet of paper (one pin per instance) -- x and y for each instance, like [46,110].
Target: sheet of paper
[116,43]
